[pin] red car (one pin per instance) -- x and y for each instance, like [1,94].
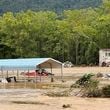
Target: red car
[39,72]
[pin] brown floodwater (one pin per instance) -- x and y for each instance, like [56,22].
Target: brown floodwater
[22,85]
[25,88]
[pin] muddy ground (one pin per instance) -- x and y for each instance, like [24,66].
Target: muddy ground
[31,96]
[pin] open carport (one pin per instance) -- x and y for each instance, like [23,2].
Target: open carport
[28,64]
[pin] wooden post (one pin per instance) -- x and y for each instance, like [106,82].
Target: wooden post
[52,80]
[40,77]
[25,79]
[13,81]
[40,73]
[28,75]
[61,72]
[2,72]
[7,73]
[17,74]
[35,79]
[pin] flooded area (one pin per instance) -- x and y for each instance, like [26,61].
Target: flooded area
[19,91]
[33,95]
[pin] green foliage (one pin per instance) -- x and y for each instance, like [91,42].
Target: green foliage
[92,90]
[85,80]
[6,51]
[53,5]
[93,93]
[74,35]
[88,85]
[91,53]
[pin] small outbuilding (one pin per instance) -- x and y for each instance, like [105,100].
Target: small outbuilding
[104,57]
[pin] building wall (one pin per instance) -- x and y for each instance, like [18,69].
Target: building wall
[104,56]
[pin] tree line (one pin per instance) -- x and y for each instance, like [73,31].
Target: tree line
[52,5]
[74,35]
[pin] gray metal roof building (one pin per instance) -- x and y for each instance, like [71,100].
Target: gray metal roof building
[29,63]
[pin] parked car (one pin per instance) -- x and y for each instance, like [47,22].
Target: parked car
[38,72]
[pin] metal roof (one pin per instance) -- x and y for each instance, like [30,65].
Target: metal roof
[30,63]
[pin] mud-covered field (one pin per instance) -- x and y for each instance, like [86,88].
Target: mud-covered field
[28,99]
[33,96]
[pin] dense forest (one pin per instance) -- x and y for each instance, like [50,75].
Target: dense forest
[50,5]
[74,35]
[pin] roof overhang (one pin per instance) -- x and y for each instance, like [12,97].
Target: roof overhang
[50,63]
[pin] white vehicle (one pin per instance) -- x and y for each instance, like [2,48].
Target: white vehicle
[67,64]
[104,57]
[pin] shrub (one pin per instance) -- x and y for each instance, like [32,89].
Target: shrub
[84,80]
[91,89]
[106,91]
[89,86]
[99,75]
[93,93]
